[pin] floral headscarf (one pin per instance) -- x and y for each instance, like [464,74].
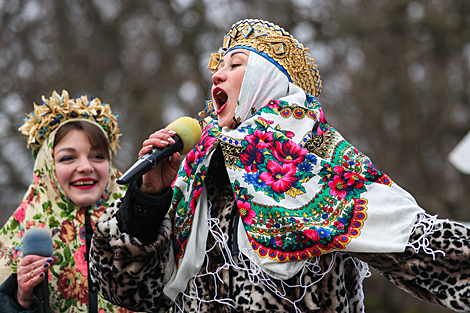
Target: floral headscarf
[45,205]
[301,189]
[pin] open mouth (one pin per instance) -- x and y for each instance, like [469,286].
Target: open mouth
[220,98]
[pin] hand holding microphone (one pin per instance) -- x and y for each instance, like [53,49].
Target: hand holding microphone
[162,174]
[178,137]
[33,288]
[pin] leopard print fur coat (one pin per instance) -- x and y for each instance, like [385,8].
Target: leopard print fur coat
[130,272]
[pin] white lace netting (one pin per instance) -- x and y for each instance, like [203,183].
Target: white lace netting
[255,275]
[429,225]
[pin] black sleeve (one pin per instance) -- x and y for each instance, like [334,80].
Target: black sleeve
[8,297]
[140,214]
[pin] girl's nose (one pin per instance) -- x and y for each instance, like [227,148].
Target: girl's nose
[84,166]
[218,77]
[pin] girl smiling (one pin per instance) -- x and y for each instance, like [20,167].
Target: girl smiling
[73,183]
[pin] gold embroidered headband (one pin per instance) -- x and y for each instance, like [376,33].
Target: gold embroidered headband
[51,113]
[278,46]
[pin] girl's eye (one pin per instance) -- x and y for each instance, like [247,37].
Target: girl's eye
[99,157]
[66,158]
[235,65]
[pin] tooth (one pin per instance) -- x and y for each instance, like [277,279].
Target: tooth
[82,183]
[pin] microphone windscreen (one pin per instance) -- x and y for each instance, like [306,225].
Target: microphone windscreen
[188,129]
[37,241]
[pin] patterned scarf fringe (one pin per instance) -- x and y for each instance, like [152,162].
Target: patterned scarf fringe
[429,224]
[256,276]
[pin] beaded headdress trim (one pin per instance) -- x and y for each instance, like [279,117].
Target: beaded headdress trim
[59,108]
[278,46]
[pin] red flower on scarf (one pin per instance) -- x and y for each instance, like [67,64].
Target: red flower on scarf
[251,158]
[198,152]
[67,282]
[288,152]
[67,231]
[189,162]
[338,187]
[80,216]
[279,177]
[261,139]
[195,199]
[82,290]
[344,182]
[339,225]
[246,212]
[338,169]
[353,179]
[206,142]
[312,234]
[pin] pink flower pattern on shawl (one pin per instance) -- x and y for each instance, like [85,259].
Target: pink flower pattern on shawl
[280,177]
[21,211]
[80,262]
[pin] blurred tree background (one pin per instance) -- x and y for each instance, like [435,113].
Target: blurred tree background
[396,82]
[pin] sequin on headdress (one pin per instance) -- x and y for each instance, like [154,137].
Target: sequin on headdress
[48,115]
[278,46]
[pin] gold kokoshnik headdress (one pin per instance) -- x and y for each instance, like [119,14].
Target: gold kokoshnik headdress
[59,108]
[276,45]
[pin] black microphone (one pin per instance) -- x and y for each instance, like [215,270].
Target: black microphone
[188,134]
[38,241]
